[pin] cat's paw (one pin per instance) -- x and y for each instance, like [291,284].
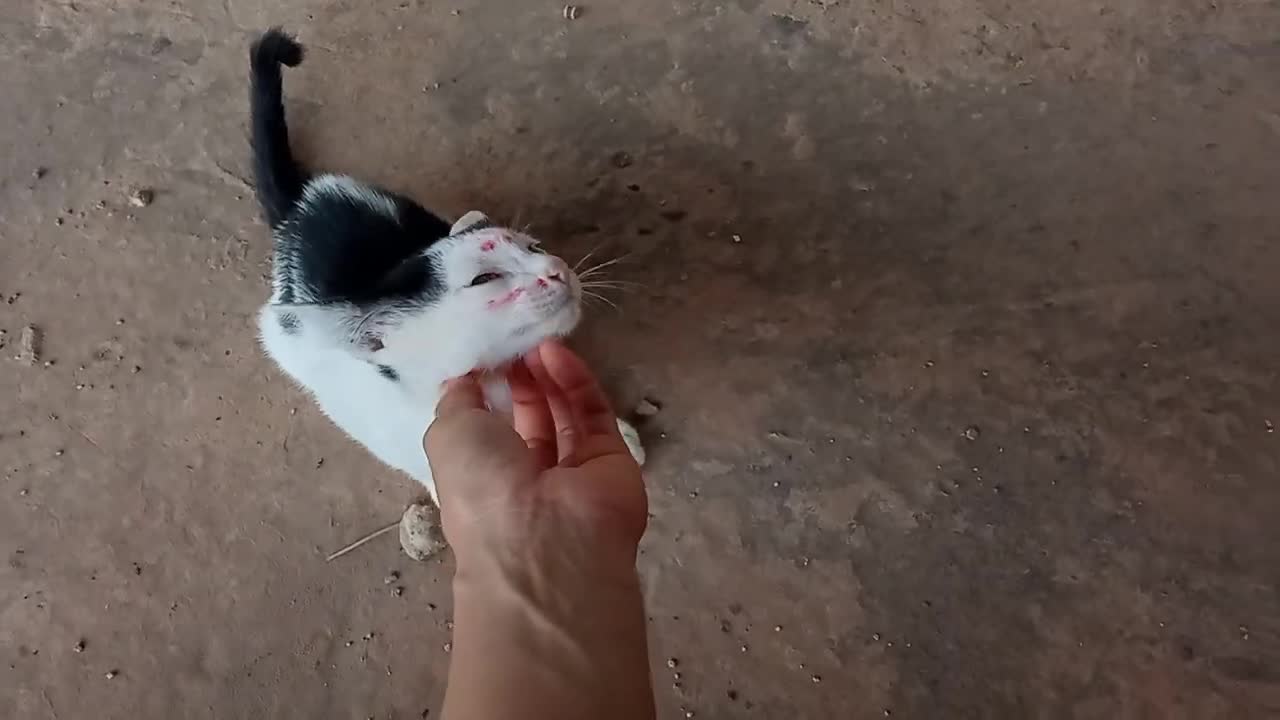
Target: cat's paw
[632,438]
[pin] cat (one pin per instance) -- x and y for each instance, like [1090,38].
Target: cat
[376,301]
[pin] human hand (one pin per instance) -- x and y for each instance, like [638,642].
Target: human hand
[559,485]
[544,519]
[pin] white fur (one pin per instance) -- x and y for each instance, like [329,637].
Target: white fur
[467,328]
[342,185]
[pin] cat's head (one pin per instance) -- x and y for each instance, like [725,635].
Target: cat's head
[473,300]
[498,295]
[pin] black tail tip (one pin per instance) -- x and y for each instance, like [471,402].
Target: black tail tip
[275,47]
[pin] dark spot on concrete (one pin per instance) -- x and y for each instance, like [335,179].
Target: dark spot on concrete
[644,231]
[389,373]
[160,44]
[621,159]
[673,215]
[633,187]
[1246,669]
[788,26]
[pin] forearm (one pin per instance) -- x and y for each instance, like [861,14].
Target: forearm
[561,642]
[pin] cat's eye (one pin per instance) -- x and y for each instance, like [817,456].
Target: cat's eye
[536,247]
[483,278]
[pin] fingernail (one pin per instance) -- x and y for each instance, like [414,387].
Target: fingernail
[452,383]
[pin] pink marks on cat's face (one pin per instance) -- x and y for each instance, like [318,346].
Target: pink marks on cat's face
[488,246]
[506,299]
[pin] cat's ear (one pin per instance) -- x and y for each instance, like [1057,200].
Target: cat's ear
[337,325]
[473,220]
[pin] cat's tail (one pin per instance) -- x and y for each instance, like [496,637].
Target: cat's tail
[279,179]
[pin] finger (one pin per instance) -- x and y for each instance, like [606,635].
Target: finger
[460,394]
[592,415]
[531,416]
[566,431]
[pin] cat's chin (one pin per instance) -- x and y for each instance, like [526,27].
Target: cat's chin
[559,324]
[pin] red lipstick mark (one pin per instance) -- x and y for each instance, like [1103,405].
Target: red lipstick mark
[488,246]
[506,299]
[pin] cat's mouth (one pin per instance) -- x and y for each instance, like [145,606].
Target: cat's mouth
[558,316]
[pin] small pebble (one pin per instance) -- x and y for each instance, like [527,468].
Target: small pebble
[391,577]
[349,643]
[111,674]
[816,678]
[142,197]
[57,453]
[397,591]
[420,532]
[745,648]
[972,432]
[672,662]
[777,628]
[571,12]
[79,647]
[448,647]
[737,238]
[29,345]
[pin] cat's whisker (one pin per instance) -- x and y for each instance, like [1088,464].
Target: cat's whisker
[601,298]
[586,257]
[608,285]
[601,266]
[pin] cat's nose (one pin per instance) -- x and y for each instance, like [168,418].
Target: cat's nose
[556,272]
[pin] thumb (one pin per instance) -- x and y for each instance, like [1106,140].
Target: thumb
[460,394]
[461,406]
[466,440]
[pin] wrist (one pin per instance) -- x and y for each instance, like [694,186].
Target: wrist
[564,630]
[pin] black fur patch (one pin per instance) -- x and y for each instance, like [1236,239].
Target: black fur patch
[289,323]
[351,252]
[389,373]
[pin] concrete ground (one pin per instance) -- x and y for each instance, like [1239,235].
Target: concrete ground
[962,317]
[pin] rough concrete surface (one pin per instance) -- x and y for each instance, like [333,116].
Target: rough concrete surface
[962,317]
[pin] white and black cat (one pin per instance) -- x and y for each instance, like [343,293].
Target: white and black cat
[376,301]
